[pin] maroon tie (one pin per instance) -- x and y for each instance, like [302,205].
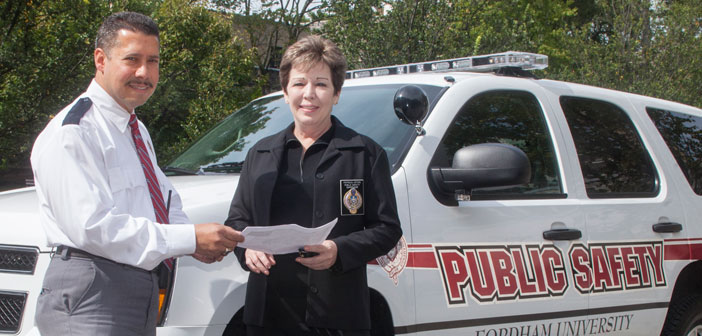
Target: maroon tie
[151,180]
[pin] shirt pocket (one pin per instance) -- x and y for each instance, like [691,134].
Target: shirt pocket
[125,178]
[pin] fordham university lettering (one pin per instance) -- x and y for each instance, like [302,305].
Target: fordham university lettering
[509,272]
[580,327]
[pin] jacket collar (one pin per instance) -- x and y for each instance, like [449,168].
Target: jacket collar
[343,138]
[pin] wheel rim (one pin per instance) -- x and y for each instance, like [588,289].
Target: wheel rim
[695,331]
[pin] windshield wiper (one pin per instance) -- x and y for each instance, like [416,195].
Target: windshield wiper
[227,167]
[179,171]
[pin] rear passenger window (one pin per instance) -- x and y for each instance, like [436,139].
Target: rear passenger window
[510,117]
[683,135]
[613,159]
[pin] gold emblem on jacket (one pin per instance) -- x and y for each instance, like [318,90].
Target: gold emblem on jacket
[353,200]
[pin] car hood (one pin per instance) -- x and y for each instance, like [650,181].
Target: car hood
[206,198]
[19,219]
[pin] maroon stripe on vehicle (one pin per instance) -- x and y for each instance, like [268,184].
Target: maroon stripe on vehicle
[683,251]
[683,239]
[417,246]
[423,259]
[677,252]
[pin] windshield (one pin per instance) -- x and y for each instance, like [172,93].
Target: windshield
[367,110]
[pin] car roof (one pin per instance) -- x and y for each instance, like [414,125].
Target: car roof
[429,78]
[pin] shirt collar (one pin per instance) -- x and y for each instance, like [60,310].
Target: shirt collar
[324,139]
[108,107]
[288,136]
[340,137]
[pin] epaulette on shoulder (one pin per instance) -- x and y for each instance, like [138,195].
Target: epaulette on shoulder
[77,111]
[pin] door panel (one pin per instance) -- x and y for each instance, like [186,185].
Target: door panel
[626,195]
[483,266]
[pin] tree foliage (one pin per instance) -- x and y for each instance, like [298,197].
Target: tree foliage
[371,34]
[46,61]
[218,54]
[637,46]
[641,46]
[206,74]
[270,28]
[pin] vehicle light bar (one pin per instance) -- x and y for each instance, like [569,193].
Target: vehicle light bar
[482,63]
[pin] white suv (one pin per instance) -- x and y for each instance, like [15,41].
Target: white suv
[529,207]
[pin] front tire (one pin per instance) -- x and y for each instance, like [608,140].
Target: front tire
[236,326]
[381,317]
[684,317]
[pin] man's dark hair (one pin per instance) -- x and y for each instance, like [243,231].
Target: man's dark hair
[136,22]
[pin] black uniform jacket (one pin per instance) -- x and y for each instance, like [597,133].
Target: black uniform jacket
[337,298]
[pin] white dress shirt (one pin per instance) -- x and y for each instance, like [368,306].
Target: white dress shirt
[93,193]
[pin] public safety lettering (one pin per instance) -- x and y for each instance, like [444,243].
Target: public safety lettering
[611,267]
[509,272]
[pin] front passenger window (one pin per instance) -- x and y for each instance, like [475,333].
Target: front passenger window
[509,117]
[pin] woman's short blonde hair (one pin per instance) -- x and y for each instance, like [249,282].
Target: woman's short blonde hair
[308,52]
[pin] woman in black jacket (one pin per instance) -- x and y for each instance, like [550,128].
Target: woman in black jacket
[310,173]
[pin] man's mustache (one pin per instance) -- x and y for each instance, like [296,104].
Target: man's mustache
[139,82]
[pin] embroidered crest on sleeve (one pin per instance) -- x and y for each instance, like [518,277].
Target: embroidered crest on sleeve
[395,260]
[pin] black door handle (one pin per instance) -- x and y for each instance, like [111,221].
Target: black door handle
[563,234]
[667,227]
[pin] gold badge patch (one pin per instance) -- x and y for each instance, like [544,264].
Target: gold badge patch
[351,197]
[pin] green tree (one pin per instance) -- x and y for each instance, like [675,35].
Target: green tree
[637,47]
[270,28]
[640,46]
[523,25]
[206,74]
[46,61]
[376,33]
[674,54]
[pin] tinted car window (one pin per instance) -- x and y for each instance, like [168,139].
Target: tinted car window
[683,135]
[510,117]
[613,159]
[367,110]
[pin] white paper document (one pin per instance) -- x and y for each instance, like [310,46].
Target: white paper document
[281,239]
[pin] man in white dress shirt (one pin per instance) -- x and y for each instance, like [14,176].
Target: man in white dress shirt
[95,203]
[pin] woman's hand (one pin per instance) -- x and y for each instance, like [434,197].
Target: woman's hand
[259,262]
[325,258]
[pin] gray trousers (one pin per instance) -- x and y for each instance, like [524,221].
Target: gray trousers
[95,296]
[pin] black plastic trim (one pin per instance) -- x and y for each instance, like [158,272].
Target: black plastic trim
[562,234]
[13,329]
[31,251]
[667,227]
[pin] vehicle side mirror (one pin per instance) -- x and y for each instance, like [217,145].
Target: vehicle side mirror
[411,105]
[481,166]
